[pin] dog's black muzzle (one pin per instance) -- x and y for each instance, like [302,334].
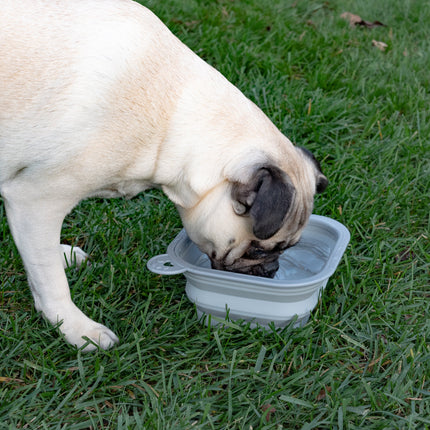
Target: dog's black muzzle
[255,261]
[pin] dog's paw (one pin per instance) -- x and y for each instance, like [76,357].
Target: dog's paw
[72,256]
[87,334]
[100,337]
[78,329]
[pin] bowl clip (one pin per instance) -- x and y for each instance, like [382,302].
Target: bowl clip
[162,265]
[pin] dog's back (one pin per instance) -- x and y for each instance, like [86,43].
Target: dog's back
[62,69]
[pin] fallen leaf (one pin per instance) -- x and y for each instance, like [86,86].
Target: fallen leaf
[355,20]
[6,379]
[383,339]
[380,45]
[369,24]
[405,255]
[131,394]
[269,409]
[323,393]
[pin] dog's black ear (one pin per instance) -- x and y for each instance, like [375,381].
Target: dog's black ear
[266,199]
[321,180]
[322,183]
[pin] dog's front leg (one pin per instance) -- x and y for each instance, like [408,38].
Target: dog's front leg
[35,223]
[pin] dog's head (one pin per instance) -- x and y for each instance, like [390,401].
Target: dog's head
[244,224]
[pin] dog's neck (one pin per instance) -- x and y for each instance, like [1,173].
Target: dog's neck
[219,134]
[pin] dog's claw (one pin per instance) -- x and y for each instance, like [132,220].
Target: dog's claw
[100,337]
[91,338]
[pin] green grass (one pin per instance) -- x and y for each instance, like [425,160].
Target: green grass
[363,360]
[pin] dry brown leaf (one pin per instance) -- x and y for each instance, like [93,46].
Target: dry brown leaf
[6,379]
[269,409]
[369,24]
[380,45]
[355,20]
[323,393]
[405,255]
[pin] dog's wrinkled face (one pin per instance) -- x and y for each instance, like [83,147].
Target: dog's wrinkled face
[245,226]
[256,261]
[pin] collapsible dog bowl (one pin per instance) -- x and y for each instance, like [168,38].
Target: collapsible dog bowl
[292,294]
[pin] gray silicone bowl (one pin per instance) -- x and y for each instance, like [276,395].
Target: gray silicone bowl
[293,293]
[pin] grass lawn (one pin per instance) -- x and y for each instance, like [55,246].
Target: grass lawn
[363,359]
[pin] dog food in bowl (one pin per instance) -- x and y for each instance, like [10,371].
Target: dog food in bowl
[292,294]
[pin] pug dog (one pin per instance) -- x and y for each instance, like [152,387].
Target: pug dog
[99,98]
